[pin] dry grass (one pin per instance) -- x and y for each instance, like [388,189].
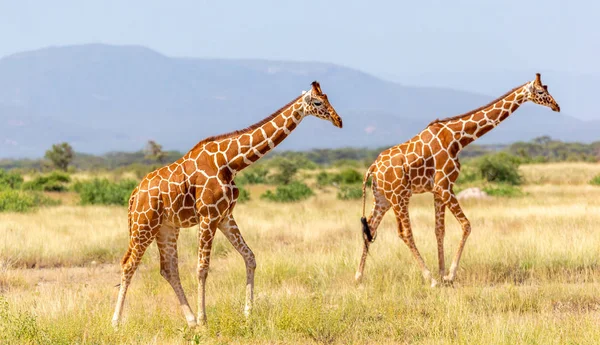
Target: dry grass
[560,173]
[530,275]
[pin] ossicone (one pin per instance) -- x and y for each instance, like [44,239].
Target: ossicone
[316,86]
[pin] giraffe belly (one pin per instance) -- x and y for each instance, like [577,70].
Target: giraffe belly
[422,186]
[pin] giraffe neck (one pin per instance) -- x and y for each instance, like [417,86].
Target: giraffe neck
[245,147]
[469,127]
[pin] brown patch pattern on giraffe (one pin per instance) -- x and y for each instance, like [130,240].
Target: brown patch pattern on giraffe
[199,189]
[429,163]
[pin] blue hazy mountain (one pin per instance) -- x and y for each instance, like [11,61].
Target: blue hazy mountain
[103,98]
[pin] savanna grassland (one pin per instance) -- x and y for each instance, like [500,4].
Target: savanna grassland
[530,274]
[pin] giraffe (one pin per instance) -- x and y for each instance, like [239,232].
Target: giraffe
[199,189]
[429,163]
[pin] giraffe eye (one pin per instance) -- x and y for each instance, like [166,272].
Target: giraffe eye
[317,103]
[540,92]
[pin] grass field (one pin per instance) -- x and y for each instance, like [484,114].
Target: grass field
[530,274]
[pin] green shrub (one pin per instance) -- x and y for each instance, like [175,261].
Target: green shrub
[20,327]
[257,175]
[349,192]
[500,167]
[53,182]
[10,180]
[468,174]
[286,170]
[595,181]
[19,201]
[350,176]
[324,179]
[104,192]
[295,191]
[346,176]
[503,190]
[244,195]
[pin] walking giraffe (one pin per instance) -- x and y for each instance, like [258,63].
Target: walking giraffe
[429,163]
[198,189]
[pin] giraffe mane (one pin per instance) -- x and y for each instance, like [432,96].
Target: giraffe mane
[475,110]
[247,129]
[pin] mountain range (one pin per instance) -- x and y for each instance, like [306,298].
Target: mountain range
[103,98]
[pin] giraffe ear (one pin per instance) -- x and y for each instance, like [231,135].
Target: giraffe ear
[317,87]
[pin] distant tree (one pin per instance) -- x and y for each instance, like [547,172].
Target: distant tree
[286,168]
[154,151]
[543,140]
[61,155]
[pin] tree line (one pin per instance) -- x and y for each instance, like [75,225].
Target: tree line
[62,156]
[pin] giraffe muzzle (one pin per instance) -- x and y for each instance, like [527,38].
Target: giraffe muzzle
[337,121]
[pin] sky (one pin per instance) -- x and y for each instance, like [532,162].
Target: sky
[385,38]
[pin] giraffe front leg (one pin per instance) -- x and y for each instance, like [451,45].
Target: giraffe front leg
[230,229]
[440,230]
[206,236]
[456,210]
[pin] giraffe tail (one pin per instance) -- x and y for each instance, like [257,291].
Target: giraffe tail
[363,219]
[129,224]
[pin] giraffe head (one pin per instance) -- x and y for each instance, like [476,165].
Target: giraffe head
[538,93]
[315,103]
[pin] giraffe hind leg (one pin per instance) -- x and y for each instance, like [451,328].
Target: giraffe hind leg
[140,238]
[380,206]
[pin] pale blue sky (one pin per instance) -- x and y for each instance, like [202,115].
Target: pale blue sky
[381,37]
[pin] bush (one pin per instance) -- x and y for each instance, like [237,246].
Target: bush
[244,195]
[503,190]
[595,181]
[104,192]
[349,192]
[468,173]
[295,191]
[19,201]
[346,176]
[257,175]
[350,176]
[10,180]
[53,182]
[286,170]
[324,179]
[500,167]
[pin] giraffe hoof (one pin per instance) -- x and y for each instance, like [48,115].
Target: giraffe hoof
[201,321]
[115,324]
[192,323]
[448,280]
[434,283]
[358,278]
